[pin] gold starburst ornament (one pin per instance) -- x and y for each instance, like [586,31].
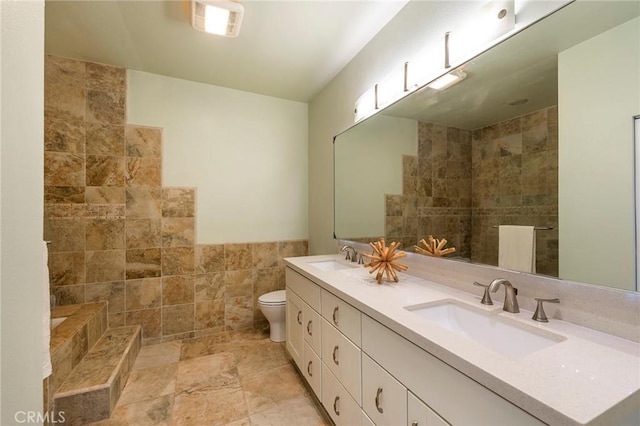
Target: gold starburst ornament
[384,261]
[434,247]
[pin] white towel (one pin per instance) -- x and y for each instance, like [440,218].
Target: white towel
[517,248]
[46,316]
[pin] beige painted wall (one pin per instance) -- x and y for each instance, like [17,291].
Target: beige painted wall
[598,97]
[245,153]
[21,207]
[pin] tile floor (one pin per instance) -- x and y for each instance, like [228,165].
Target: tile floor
[239,379]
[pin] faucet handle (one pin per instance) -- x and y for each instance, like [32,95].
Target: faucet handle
[539,315]
[486,298]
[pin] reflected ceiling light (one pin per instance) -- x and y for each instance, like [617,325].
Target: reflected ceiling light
[448,80]
[221,17]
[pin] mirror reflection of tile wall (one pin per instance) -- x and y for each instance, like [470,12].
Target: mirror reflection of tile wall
[465,183]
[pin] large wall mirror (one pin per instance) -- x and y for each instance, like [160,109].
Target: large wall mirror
[540,133]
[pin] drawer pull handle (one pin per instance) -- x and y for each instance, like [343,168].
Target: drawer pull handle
[335,405]
[378,395]
[335,316]
[309,328]
[299,320]
[335,355]
[309,369]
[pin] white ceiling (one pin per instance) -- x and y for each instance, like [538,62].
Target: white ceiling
[286,49]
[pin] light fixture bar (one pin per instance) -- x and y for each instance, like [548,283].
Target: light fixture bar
[448,80]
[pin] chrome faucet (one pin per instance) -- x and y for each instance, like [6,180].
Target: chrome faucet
[510,300]
[352,255]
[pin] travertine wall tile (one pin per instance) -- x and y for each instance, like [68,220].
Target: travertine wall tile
[64,87]
[105,234]
[264,255]
[105,265]
[144,263]
[143,233]
[237,256]
[105,107]
[143,172]
[143,203]
[177,290]
[64,135]
[178,202]
[143,294]
[209,286]
[178,232]
[63,169]
[104,195]
[119,236]
[67,268]
[144,141]
[209,258]
[178,319]
[104,139]
[112,292]
[177,260]
[104,170]
[149,319]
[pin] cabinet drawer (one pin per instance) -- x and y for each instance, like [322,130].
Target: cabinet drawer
[384,399]
[419,414]
[442,387]
[342,357]
[295,336]
[312,327]
[341,315]
[305,288]
[337,401]
[312,370]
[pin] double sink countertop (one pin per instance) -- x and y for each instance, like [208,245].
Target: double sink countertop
[575,379]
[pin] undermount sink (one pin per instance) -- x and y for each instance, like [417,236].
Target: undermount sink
[331,265]
[490,329]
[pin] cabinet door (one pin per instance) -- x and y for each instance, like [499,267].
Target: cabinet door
[342,357]
[337,401]
[304,287]
[312,370]
[295,337]
[418,414]
[312,327]
[342,316]
[384,399]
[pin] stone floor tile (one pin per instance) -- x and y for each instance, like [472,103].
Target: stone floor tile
[149,383]
[299,411]
[209,407]
[267,390]
[210,372]
[155,355]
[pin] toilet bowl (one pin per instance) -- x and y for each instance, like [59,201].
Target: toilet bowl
[273,306]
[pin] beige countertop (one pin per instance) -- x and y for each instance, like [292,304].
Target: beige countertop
[590,376]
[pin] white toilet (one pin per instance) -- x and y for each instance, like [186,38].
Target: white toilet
[273,306]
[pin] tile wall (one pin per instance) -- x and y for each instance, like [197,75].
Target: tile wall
[118,235]
[463,183]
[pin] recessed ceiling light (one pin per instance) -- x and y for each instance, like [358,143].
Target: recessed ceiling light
[221,17]
[518,102]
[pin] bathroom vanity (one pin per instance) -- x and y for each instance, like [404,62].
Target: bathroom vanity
[420,353]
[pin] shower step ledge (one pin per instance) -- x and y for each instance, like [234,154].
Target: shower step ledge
[93,388]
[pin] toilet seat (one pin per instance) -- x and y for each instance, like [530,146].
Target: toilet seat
[274,298]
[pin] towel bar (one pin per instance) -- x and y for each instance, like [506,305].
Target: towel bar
[537,228]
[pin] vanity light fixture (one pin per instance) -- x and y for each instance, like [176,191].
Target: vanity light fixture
[448,80]
[221,17]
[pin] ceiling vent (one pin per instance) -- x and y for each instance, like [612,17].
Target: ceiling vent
[221,17]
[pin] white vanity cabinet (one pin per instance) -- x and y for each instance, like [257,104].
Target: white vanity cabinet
[419,414]
[384,399]
[449,393]
[304,330]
